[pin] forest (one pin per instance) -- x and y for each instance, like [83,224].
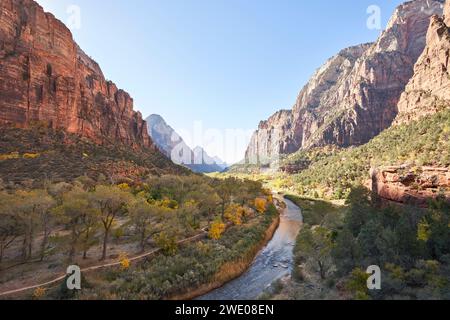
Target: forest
[411,246]
[86,222]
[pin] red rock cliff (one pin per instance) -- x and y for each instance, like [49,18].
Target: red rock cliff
[428,91]
[354,95]
[414,186]
[45,77]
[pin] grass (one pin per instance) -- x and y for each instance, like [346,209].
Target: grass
[316,211]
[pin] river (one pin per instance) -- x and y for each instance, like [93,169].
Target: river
[274,262]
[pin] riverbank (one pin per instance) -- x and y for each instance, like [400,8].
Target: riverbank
[272,263]
[234,269]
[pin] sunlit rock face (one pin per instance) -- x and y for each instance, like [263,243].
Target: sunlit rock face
[46,78]
[354,95]
[415,186]
[428,91]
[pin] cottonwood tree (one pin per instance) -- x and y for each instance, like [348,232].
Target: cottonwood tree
[225,192]
[260,205]
[234,213]
[10,227]
[207,200]
[33,208]
[189,215]
[110,201]
[80,218]
[145,217]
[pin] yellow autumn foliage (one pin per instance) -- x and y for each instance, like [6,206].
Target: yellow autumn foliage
[216,230]
[260,205]
[39,293]
[234,214]
[124,261]
[31,155]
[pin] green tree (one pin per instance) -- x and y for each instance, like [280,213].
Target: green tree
[314,245]
[110,201]
[34,209]
[10,226]
[80,218]
[145,218]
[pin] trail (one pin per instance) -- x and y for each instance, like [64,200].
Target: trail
[98,267]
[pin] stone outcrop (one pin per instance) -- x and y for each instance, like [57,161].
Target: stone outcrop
[414,186]
[46,78]
[428,91]
[354,96]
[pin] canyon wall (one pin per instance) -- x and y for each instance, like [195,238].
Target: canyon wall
[354,96]
[428,91]
[413,186]
[46,78]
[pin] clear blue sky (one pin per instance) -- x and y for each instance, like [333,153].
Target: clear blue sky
[227,63]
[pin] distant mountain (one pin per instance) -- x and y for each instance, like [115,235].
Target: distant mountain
[173,146]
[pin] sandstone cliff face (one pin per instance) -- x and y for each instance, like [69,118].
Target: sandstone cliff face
[428,91]
[354,96]
[415,187]
[271,139]
[45,77]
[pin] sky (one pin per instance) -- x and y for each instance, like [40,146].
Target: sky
[215,68]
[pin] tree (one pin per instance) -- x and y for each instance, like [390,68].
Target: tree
[207,200]
[360,210]
[347,251]
[110,201]
[80,218]
[234,213]
[34,211]
[144,218]
[357,284]
[260,205]
[167,243]
[314,245]
[216,230]
[225,191]
[10,227]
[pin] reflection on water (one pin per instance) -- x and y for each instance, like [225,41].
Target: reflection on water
[272,263]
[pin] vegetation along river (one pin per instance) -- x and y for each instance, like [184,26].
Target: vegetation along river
[274,262]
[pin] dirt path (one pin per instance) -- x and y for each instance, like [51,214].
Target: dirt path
[97,267]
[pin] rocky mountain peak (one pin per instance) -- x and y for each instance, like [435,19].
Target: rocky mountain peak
[428,91]
[408,18]
[354,95]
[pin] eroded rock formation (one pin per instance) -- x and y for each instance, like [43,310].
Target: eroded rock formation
[45,77]
[414,186]
[428,91]
[354,96]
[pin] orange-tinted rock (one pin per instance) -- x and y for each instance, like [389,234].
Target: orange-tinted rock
[45,77]
[447,13]
[415,187]
[354,95]
[428,91]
